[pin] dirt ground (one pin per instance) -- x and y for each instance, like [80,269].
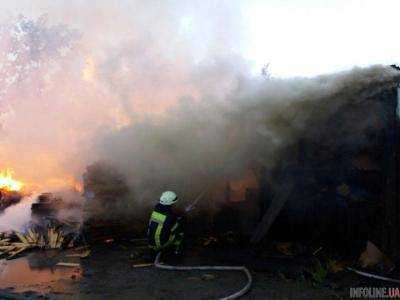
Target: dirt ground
[109,272]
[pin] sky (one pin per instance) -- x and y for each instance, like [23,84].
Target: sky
[295,37]
[311,37]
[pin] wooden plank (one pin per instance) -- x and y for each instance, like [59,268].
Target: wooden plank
[67,264]
[4,242]
[7,248]
[80,255]
[32,236]
[273,211]
[15,253]
[21,237]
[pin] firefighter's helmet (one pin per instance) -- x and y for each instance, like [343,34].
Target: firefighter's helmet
[168,198]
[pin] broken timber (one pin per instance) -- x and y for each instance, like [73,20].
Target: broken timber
[273,210]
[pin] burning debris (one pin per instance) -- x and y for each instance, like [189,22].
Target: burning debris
[352,140]
[45,228]
[175,106]
[8,183]
[10,190]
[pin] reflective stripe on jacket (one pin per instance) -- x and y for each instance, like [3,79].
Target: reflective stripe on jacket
[162,226]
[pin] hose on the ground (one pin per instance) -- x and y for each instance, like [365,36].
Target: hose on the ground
[236,295]
[369,275]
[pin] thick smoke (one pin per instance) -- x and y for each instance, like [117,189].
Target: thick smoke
[17,216]
[201,144]
[158,91]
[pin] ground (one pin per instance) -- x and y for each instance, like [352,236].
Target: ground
[109,272]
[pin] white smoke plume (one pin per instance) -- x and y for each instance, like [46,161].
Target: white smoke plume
[73,70]
[15,217]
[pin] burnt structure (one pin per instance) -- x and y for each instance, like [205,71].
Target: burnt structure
[337,183]
[341,187]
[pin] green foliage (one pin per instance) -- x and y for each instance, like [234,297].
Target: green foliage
[318,274]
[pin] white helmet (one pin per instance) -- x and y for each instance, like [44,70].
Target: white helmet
[168,198]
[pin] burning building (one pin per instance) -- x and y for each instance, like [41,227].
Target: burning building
[312,160]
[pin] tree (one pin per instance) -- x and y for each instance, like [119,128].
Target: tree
[28,50]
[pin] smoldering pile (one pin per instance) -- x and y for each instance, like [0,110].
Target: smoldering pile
[44,221]
[110,210]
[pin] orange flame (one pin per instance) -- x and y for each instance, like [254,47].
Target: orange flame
[8,183]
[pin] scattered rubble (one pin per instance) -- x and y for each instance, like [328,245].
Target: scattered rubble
[49,235]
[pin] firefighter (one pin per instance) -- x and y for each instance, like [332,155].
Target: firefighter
[165,231]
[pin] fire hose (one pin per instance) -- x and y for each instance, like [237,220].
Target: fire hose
[373,276]
[236,295]
[192,206]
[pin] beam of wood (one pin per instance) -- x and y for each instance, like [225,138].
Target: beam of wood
[4,242]
[15,253]
[21,237]
[7,248]
[66,264]
[273,211]
[80,255]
